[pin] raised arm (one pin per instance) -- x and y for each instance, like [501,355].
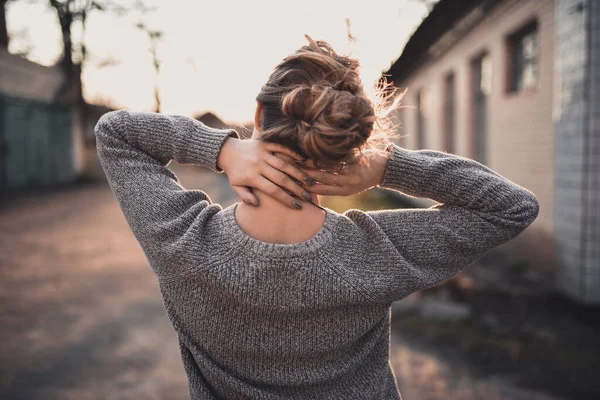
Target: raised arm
[134,149]
[477,210]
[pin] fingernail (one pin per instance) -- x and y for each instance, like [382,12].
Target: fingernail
[307,196]
[300,162]
[309,181]
[297,205]
[252,203]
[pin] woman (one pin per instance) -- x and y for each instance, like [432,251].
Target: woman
[285,298]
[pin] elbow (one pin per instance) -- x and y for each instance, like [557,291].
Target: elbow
[519,214]
[533,208]
[527,211]
[108,123]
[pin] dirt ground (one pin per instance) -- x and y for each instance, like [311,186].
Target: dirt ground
[541,341]
[82,317]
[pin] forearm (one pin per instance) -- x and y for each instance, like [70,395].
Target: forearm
[456,181]
[165,137]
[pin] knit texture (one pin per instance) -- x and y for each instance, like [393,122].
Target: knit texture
[311,320]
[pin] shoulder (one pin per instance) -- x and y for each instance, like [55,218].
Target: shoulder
[362,253]
[361,220]
[357,229]
[357,222]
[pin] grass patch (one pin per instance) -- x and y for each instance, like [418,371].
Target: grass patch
[371,200]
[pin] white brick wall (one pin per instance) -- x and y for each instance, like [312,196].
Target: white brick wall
[592,233]
[577,125]
[569,117]
[520,140]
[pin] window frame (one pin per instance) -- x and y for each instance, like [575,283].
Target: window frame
[479,138]
[512,41]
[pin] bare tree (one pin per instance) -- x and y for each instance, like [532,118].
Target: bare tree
[69,12]
[3,30]
[75,54]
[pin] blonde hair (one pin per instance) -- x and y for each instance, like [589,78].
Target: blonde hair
[315,103]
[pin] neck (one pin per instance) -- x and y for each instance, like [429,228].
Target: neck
[268,204]
[274,222]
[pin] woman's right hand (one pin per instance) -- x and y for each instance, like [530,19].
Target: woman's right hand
[261,165]
[358,175]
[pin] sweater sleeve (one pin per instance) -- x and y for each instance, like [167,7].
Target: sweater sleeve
[167,220]
[477,210]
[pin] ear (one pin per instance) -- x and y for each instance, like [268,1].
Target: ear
[258,116]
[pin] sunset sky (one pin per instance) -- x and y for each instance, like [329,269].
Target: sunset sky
[215,55]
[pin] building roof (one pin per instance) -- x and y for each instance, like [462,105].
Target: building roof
[22,78]
[443,18]
[212,120]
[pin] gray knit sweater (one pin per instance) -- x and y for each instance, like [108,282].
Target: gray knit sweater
[258,320]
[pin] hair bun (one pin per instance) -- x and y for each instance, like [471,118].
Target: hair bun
[331,123]
[315,104]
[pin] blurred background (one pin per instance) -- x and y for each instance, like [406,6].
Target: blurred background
[513,84]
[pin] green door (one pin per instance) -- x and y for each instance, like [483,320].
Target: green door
[38,143]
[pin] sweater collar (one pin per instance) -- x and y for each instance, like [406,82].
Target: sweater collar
[243,241]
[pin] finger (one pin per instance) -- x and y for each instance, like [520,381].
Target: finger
[279,148]
[289,169]
[326,177]
[309,163]
[329,190]
[314,164]
[283,180]
[277,193]
[246,195]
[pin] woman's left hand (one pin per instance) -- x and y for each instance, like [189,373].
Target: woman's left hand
[359,174]
[251,163]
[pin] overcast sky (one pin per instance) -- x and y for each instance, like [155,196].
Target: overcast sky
[215,54]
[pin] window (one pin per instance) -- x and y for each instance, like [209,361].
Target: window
[449,110]
[523,48]
[481,87]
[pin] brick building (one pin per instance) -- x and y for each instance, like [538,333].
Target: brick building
[515,84]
